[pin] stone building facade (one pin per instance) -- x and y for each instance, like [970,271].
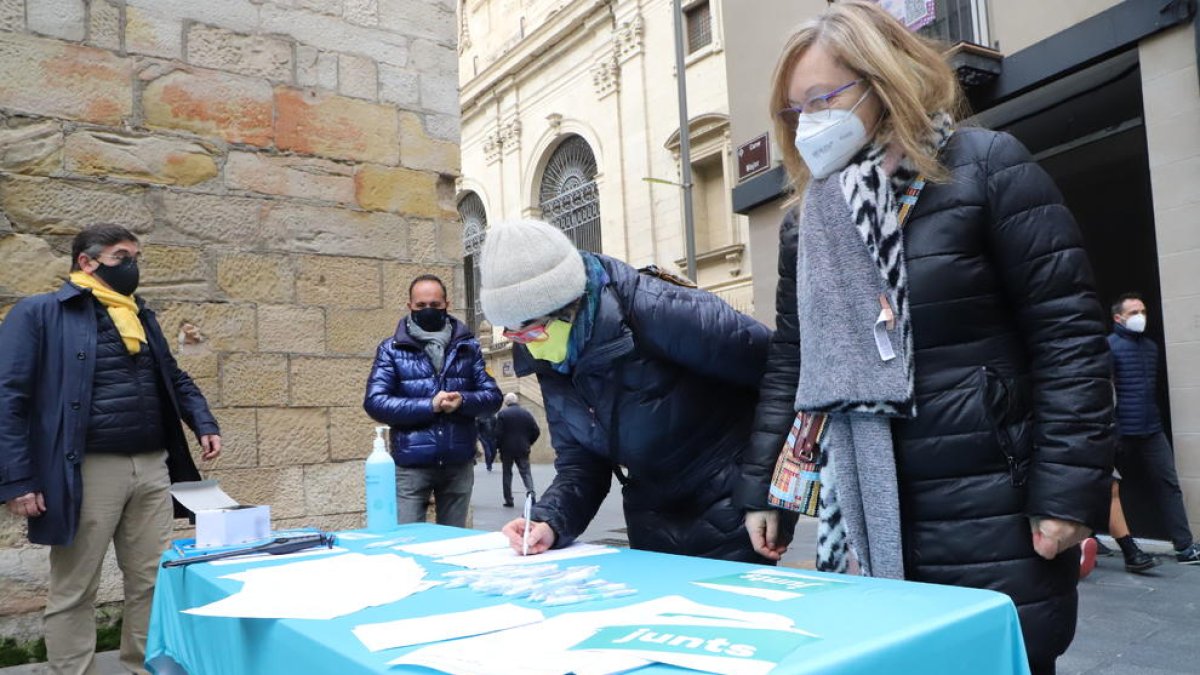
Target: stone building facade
[289,166]
[569,107]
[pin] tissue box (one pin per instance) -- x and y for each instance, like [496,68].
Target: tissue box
[221,521]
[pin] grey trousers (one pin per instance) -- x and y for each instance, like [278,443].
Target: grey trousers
[507,476]
[450,485]
[1151,457]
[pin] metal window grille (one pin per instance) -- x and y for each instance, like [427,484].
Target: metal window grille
[568,193]
[470,209]
[699,26]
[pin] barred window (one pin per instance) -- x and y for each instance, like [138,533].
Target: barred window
[699,26]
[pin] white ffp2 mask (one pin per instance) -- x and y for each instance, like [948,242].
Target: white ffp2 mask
[827,140]
[1136,323]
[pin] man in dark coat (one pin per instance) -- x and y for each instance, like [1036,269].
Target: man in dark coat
[1014,407]
[429,383]
[641,378]
[1144,449]
[516,432]
[90,440]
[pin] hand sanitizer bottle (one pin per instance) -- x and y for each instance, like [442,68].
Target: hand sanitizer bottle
[381,486]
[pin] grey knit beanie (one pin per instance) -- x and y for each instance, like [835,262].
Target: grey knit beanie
[527,269]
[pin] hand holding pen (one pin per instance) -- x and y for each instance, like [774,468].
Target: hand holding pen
[528,536]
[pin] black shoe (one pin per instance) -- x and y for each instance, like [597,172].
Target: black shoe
[1140,562]
[1189,555]
[508,504]
[1103,551]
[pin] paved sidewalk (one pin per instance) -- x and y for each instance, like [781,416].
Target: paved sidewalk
[1128,624]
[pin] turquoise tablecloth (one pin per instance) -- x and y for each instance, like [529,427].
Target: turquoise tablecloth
[868,626]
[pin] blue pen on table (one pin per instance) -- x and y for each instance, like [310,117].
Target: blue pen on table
[529,499]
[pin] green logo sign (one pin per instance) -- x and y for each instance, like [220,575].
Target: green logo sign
[759,644]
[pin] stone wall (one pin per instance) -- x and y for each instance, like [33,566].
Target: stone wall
[289,165]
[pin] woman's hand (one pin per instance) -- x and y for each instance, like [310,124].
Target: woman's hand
[541,536]
[1052,536]
[763,528]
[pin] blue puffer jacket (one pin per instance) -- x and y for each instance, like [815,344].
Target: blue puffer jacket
[400,393]
[1135,375]
[665,388]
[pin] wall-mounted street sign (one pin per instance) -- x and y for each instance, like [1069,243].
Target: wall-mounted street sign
[753,157]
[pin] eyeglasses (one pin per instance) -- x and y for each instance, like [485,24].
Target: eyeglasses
[530,331]
[818,106]
[121,258]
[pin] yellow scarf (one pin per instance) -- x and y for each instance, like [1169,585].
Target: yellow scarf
[121,308]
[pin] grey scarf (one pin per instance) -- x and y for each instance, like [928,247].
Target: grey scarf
[435,343]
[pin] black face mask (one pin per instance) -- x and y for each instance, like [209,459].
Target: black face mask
[430,319]
[122,277]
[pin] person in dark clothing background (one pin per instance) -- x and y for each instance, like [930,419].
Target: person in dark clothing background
[90,440]
[487,439]
[429,383]
[641,377]
[516,432]
[959,355]
[1144,449]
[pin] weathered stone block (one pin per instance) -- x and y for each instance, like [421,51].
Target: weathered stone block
[333,36]
[339,522]
[59,207]
[324,381]
[357,76]
[445,127]
[418,18]
[225,327]
[335,126]
[292,436]
[434,58]
[204,363]
[439,94]
[399,190]
[282,488]
[47,77]
[170,266]
[358,331]
[397,276]
[234,108]
[327,7]
[315,68]
[254,379]
[104,25]
[153,32]
[335,231]
[209,218]
[254,55]
[436,241]
[12,530]
[30,265]
[66,19]
[400,86]
[31,146]
[287,328]
[289,176]
[26,577]
[420,151]
[334,488]
[139,157]
[337,282]
[12,15]
[362,12]
[239,440]
[254,277]
[351,433]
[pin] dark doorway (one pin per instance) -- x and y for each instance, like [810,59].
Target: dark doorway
[1087,132]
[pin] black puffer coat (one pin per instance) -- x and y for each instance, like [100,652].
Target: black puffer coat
[665,387]
[1014,402]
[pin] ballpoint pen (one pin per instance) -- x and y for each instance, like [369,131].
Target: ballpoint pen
[529,497]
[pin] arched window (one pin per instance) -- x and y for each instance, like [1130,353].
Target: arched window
[474,218]
[568,195]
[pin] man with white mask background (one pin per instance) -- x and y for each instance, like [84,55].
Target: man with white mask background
[1144,449]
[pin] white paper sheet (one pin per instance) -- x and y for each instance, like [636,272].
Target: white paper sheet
[320,589]
[438,627]
[283,556]
[444,548]
[509,652]
[502,557]
[354,536]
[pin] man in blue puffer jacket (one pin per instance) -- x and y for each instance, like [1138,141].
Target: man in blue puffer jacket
[429,384]
[642,378]
[1144,448]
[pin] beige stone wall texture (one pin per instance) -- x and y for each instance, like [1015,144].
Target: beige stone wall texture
[289,166]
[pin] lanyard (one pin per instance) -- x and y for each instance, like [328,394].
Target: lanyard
[887,317]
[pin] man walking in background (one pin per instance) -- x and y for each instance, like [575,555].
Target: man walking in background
[429,384]
[90,440]
[1144,449]
[516,432]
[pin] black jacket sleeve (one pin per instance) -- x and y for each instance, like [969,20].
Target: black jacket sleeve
[777,391]
[1044,268]
[20,344]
